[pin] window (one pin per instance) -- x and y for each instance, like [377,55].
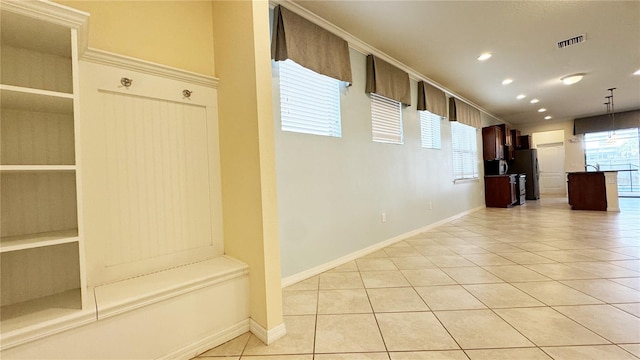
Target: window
[386,119]
[465,151]
[618,150]
[309,102]
[429,130]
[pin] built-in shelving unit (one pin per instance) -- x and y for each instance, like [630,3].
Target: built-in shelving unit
[42,278]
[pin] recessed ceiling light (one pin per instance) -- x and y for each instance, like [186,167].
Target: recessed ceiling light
[571,79]
[521,96]
[542,110]
[533,101]
[637,72]
[484,56]
[547,117]
[507,81]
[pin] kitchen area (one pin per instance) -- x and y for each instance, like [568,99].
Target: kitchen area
[592,185]
[511,168]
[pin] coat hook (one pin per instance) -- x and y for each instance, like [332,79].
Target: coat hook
[126,82]
[187,93]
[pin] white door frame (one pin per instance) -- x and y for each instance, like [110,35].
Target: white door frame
[547,140]
[556,178]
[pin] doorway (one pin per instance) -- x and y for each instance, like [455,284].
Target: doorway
[550,146]
[552,176]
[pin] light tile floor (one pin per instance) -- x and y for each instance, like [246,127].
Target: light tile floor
[532,282]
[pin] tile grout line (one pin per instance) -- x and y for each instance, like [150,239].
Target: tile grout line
[373,312]
[244,348]
[315,326]
[498,315]
[503,281]
[433,313]
[487,308]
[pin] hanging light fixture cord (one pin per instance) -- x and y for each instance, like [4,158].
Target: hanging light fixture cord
[611,111]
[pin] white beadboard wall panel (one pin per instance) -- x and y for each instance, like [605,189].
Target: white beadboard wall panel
[37,202]
[150,171]
[33,69]
[34,138]
[34,273]
[157,177]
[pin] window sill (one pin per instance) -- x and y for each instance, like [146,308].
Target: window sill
[464,181]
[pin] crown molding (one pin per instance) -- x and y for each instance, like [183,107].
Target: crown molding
[366,49]
[53,13]
[147,67]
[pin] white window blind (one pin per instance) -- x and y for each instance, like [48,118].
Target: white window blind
[464,151]
[386,119]
[429,130]
[309,102]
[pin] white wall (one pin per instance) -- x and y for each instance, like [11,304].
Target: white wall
[332,191]
[573,144]
[553,137]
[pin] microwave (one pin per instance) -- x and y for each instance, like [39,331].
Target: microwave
[495,167]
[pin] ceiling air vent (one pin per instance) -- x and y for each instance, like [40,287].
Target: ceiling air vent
[572,41]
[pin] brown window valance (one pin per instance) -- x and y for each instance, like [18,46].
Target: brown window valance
[387,80]
[431,99]
[309,45]
[464,113]
[622,120]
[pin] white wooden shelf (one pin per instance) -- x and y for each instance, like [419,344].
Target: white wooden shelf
[36,168]
[30,312]
[36,100]
[30,241]
[33,319]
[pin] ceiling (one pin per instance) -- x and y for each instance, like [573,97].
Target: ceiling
[442,40]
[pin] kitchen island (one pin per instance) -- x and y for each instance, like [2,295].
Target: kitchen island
[593,190]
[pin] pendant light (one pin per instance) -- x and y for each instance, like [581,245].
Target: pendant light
[611,113]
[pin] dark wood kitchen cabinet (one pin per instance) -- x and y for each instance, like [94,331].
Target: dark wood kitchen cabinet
[515,138]
[507,142]
[492,143]
[587,191]
[500,190]
[506,134]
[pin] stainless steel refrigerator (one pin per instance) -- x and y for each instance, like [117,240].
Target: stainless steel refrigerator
[526,162]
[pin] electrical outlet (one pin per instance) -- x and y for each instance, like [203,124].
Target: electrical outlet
[430,205]
[383,217]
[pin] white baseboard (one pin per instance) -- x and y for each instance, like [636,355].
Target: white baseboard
[209,341]
[290,280]
[267,336]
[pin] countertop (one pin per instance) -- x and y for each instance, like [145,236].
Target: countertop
[592,172]
[504,175]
